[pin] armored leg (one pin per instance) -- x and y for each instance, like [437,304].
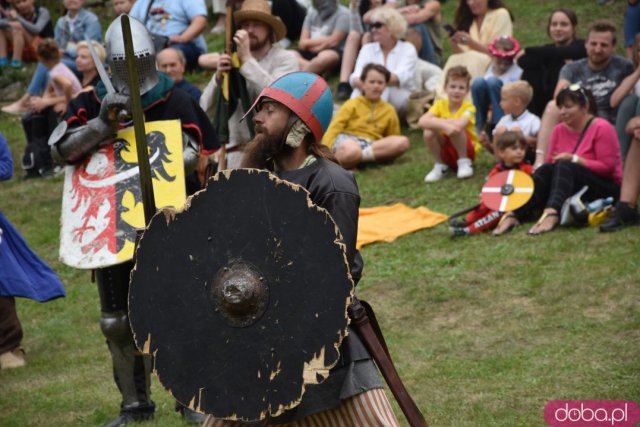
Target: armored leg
[130,369]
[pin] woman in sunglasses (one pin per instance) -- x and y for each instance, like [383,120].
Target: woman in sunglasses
[583,151]
[388,27]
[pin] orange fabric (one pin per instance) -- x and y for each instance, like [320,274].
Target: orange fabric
[386,223]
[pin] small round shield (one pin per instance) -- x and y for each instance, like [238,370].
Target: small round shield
[507,190]
[241,297]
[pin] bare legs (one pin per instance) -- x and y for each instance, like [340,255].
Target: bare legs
[350,155]
[550,118]
[326,60]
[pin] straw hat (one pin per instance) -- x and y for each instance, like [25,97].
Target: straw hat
[260,10]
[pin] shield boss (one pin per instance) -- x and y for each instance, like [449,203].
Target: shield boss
[241,297]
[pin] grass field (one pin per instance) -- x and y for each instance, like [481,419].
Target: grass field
[484,331]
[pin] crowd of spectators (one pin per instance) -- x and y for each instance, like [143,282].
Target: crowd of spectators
[489,86]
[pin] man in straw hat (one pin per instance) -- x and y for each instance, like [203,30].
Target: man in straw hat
[262,60]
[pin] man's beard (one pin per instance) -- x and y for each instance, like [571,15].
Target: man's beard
[263,150]
[257,44]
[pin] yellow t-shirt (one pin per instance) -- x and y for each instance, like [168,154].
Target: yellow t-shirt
[363,118]
[441,110]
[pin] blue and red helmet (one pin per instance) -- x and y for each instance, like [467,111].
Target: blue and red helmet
[307,95]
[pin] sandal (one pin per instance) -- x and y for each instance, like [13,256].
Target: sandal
[547,215]
[510,219]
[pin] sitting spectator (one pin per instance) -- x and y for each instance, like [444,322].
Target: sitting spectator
[510,149]
[485,91]
[449,129]
[292,14]
[324,31]
[541,64]
[582,153]
[626,98]
[476,24]
[262,60]
[626,212]
[76,25]
[424,19]
[173,62]
[122,6]
[46,110]
[181,22]
[366,128]
[387,49]
[23,28]
[85,65]
[515,97]
[600,72]
[218,7]
[631,25]
[355,39]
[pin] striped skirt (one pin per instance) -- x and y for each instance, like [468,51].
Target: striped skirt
[368,409]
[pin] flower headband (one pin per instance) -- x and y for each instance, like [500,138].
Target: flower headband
[504,53]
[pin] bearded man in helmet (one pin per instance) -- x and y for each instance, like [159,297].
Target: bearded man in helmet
[291,116]
[91,121]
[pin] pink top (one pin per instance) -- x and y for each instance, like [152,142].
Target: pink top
[599,148]
[62,70]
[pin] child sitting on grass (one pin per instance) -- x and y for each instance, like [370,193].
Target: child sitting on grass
[510,148]
[366,128]
[515,97]
[22,28]
[485,91]
[45,111]
[449,128]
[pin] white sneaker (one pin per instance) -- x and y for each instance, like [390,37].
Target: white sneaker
[437,173]
[465,168]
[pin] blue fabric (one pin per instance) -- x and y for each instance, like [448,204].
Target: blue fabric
[486,93]
[631,23]
[191,89]
[86,25]
[427,51]
[39,81]
[6,161]
[191,53]
[170,17]
[22,272]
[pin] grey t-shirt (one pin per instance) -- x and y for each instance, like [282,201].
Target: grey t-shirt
[601,83]
[339,21]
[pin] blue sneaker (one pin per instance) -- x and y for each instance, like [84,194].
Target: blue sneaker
[3,62]
[16,63]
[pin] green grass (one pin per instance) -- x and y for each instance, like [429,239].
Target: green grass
[484,331]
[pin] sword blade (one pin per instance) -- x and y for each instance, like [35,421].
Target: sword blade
[100,67]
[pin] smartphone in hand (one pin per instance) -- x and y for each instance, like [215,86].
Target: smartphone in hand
[449,29]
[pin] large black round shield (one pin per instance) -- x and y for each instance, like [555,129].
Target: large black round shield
[241,297]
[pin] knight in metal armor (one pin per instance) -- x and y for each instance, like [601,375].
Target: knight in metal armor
[91,122]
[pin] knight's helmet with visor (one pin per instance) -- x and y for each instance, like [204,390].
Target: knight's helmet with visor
[143,50]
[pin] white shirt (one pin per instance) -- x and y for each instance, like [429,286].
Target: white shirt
[511,75]
[528,123]
[401,61]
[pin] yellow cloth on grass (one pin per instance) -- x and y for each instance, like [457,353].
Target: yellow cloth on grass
[386,223]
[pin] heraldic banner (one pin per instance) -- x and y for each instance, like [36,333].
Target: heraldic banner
[102,202]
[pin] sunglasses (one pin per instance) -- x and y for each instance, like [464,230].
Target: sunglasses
[377,25]
[577,87]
